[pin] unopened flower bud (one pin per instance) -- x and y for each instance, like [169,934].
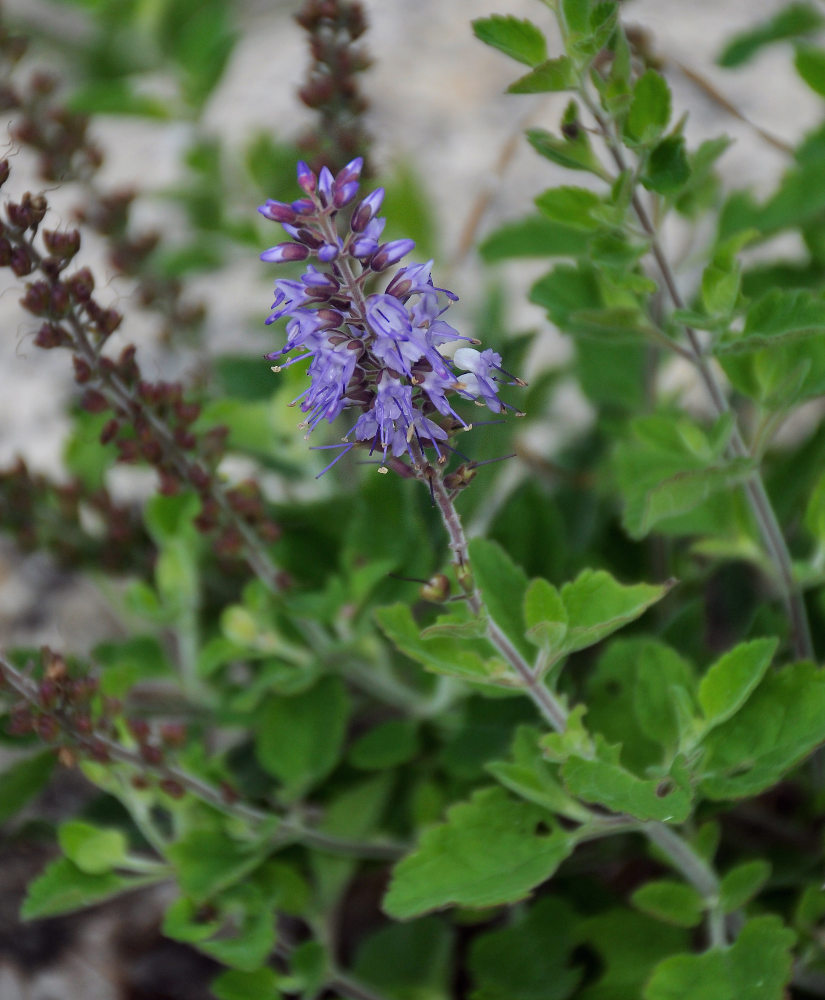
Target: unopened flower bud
[278,211]
[366,210]
[306,178]
[174,789]
[94,401]
[62,245]
[82,371]
[285,252]
[21,262]
[390,253]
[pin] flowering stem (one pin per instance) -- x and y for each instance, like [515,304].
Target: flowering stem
[550,707]
[682,856]
[289,830]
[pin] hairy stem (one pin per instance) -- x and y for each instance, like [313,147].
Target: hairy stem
[693,868]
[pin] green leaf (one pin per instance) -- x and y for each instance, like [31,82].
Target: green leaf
[570,206]
[755,967]
[551,75]
[127,661]
[649,110]
[628,944]
[238,928]
[300,738]
[84,455]
[633,697]
[576,15]
[208,861]
[670,466]
[720,288]
[574,153]
[386,745]
[352,814]
[810,64]
[815,512]
[662,694]
[22,781]
[92,849]
[792,21]
[728,684]
[492,850]
[544,615]
[532,777]
[63,888]
[533,237]
[519,39]
[598,605]
[742,883]
[528,960]
[442,655]
[781,722]
[668,169]
[116,97]
[779,357]
[607,783]
[616,325]
[408,960]
[502,585]
[261,984]
[310,967]
[780,316]
[673,902]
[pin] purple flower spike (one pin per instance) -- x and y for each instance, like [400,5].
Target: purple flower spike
[306,178]
[387,355]
[284,252]
[366,211]
[277,211]
[390,253]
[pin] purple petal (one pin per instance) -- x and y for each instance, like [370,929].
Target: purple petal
[306,178]
[284,252]
[328,252]
[366,210]
[277,211]
[390,253]
[344,194]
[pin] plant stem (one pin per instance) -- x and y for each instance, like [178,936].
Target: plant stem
[547,703]
[693,868]
[289,829]
[754,485]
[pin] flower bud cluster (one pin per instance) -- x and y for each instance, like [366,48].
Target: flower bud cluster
[148,421]
[45,516]
[331,88]
[66,710]
[389,355]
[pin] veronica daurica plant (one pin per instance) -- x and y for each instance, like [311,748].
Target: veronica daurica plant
[547,810]
[679,743]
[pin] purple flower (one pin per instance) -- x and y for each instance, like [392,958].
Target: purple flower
[479,382]
[384,354]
